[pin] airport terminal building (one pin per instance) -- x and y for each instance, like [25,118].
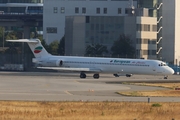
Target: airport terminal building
[99,22]
[169,30]
[56,11]
[164,11]
[87,30]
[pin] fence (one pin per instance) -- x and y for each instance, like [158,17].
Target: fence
[16,61]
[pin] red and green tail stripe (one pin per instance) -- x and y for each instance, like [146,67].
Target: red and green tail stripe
[38,49]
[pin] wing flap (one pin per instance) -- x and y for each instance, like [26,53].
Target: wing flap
[71,69]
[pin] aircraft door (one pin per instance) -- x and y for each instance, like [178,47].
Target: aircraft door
[154,67]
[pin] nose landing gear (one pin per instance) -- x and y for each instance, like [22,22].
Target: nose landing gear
[165,77]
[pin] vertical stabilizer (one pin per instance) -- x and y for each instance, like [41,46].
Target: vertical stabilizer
[35,46]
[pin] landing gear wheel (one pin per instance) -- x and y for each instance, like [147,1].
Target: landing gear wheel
[128,75]
[96,76]
[116,75]
[165,77]
[82,75]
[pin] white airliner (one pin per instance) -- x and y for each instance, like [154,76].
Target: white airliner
[94,64]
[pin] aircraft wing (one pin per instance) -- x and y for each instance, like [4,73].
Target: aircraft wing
[72,69]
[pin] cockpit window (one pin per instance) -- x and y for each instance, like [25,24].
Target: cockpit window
[162,64]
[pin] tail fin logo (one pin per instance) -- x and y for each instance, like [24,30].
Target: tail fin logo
[38,49]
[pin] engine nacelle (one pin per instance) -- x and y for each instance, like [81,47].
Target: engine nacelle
[59,63]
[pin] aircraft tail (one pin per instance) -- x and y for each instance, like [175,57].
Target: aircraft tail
[35,46]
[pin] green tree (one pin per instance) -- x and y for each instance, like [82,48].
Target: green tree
[1,36]
[61,46]
[11,36]
[96,50]
[44,44]
[53,47]
[123,47]
[40,37]
[12,46]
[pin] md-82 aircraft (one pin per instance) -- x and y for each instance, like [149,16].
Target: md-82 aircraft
[95,65]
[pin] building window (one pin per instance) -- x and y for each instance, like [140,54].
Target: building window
[84,10]
[97,26]
[138,27]
[119,10]
[126,10]
[76,10]
[154,41]
[98,10]
[92,26]
[145,41]
[146,27]
[137,52]
[143,27]
[153,52]
[145,52]
[55,10]
[102,27]
[87,19]
[138,41]
[154,28]
[105,10]
[51,30]
[62,9]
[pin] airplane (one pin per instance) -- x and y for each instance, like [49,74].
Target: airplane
[95,65]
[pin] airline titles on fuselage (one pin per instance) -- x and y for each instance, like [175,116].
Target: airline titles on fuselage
[126,62]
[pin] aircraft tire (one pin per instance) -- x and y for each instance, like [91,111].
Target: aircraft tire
[128,75]
[116,75]
[82,75]
[96,76]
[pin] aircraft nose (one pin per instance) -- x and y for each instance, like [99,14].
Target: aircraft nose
[171,70]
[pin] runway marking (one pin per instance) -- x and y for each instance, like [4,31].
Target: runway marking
[68,93]
[27,94]
[76,81]
[45,85]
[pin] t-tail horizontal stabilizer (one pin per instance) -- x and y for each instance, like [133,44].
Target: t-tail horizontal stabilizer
[36,47]
[25,40]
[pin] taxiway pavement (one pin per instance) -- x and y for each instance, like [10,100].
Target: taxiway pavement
[58,86]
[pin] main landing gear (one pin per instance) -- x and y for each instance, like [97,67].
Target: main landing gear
[128,75]
[96,76]
[116,75]
[83,75]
